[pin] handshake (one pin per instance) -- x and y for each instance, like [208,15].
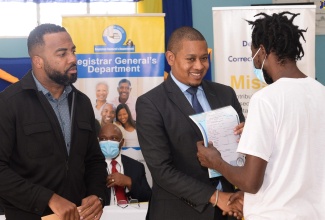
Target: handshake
[230,203]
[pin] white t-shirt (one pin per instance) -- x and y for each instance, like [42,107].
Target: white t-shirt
[130,138]
[285,126]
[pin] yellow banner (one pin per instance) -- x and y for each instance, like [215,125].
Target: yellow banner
[146,32]
[115,50]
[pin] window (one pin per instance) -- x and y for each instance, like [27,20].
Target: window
[52,12]
[23,17]
[17,19]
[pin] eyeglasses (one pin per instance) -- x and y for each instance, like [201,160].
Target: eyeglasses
[132,202]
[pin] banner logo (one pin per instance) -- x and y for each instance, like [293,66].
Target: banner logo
[114,37]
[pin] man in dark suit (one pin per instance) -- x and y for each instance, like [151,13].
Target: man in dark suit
[182,188]
[131,173]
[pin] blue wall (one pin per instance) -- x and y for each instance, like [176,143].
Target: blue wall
[202,20]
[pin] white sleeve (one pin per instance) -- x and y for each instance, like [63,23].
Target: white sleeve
[259,131]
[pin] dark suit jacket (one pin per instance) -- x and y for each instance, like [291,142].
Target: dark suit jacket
[140,188]
[181,186]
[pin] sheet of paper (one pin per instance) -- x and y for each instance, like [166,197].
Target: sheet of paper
[217,126]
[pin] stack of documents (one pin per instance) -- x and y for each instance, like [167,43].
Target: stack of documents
[218,126]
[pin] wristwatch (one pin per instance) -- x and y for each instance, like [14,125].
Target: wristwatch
[101,201]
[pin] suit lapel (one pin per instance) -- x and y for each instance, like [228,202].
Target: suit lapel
[176,95]
[212,98]
[178,98]
[125,163]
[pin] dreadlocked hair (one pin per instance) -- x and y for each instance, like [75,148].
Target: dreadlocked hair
[278,34]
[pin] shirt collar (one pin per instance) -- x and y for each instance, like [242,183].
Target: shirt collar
[182,86]
[41,88]
[118,159]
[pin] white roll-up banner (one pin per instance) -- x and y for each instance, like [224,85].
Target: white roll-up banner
[232,41]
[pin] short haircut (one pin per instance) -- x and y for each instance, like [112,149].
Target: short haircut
[278,34]
[124,81]
[180,34]
[112,105]
[102,83]
[35,37]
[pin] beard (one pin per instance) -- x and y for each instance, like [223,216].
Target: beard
[59,78]
[267,77]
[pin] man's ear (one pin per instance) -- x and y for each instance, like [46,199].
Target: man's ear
[37,61]
[263,51]
[170,57]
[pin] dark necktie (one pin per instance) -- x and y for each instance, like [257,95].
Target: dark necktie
[119,190]
[195,102]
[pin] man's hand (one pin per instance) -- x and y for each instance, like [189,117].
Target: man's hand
[236,200]
[209,156]
[63,208]
[234,209]
[239,129]
[91,208]
[237,196]
[118,179]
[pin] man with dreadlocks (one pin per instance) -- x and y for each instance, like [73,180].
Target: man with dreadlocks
[283,139]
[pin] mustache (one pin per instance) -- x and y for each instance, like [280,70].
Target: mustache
[73,66]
